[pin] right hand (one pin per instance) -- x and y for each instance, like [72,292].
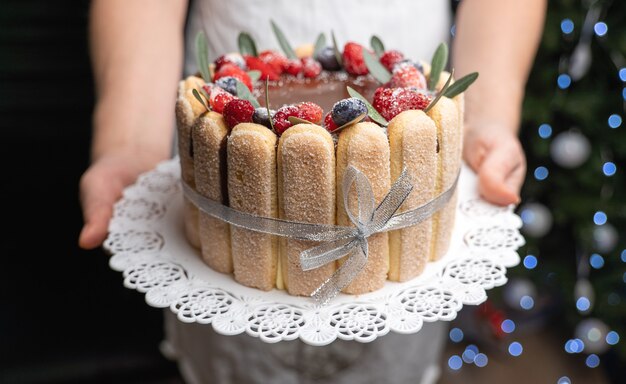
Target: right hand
[102,185]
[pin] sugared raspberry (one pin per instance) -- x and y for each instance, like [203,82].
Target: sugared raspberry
[310,67]
[294,67]
[218,98]
[229,69]
[353,59]
[389,102]
[406,75]
[267,72]
[238,111]
[277,61]
[346,110]
[310,111]
[281,122]
[329,124]
[231,58]
[391,58]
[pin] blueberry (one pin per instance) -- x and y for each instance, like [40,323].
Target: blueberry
[260,117]
[228,83]
[327,58]
[346,110]
[410,62]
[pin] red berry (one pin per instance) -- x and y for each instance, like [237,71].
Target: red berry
[391,58]
[353,61]
[405,76]
[267,72]
[229,69]
[230,58]
[389,102]
[238,111]
[218,98]
[310,67]
[310,112]
[294,67]
[277,61]
[329,123]
[281,122]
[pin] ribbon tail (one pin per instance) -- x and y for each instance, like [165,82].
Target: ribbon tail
[325,253]
[342,277]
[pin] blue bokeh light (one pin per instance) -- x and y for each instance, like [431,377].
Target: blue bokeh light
[623,255]
[530,261]
[574,346]
[592,361]
[609,168]
[469,356]
[527,302]
[545,131]
[508,326]
[456,335]
[472,347]
[541,173]
[615,121]
[564,380]
[564,81]
[622,74]
[481,360]
[515,349]
[596,261]
[624,93]
[455,362]
[600,28]
[612,338]
[599,218]
[567,26]
[583,304]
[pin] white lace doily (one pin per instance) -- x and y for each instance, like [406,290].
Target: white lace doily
[148,245]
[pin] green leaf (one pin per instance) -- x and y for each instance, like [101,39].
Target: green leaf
[254,75]
[282,40]
[246,44]
[461,85]
[244,93]
[440,93]
[296,120]
[336,49]
[371,111]
[196,94]
[267,103]
[437,64]
[377,45]
[320,43]
[375,68]
[202,56]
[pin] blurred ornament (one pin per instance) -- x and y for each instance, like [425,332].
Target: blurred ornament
[584,294]
[593,333]
[536,218]
[570,149]
[605,238]
[518,293]
[580,61]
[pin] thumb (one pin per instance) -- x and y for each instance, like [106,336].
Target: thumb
[97,199]
[501,174]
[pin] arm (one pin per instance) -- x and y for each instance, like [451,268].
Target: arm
[499,40]
[136,51]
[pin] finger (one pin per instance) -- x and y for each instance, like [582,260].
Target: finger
[96,226]
[499,175]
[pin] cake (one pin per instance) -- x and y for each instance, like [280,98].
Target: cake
[374,110]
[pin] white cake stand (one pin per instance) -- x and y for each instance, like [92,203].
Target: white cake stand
[147,244]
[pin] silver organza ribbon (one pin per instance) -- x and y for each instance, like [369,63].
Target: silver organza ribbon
[336,241]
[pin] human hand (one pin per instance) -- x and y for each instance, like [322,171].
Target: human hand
[102,185]
[496,155]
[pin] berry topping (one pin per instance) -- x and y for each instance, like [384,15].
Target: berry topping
[310,112]
[231,58]
[390,58]
[277,61]
[329,124]
[281,122]
[417,65]
[327,58]
[405,75]
[353,60]
[389,102]
[260,116]
[346,110]
[267,72]
[293,67]
[310,67]
[238,111]
[229,69]
[218,98]
[228,83]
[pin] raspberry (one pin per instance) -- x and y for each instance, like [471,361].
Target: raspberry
[238,111]
[294,67]
[231,58]
[389,102]
[310,112]
[329,124]
[405,76]
[346,110]
[275,60]
[229,69]
[310,67]
[353,60]
[391,58]
[281,122]
[267,72]
[218,98]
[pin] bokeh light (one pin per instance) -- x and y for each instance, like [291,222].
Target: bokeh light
[481,360]
[530,261]
[508,326]
[469,356]
[527,302]
[564,380]
[600,28]
[596,261]
[612,338]
[599,218]
[592,361]
[541,173]
[564,81]
[609,168]
[622,74]
[583,304]
[456,335]
[615,121]
[455,362]
[515,349]
[545,131]
[567,26]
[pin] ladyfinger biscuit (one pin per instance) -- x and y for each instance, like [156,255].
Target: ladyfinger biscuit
[306,193]
[187,111]
[446,116]
[251,159]
[413,142]
[209,155]
[365,146]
